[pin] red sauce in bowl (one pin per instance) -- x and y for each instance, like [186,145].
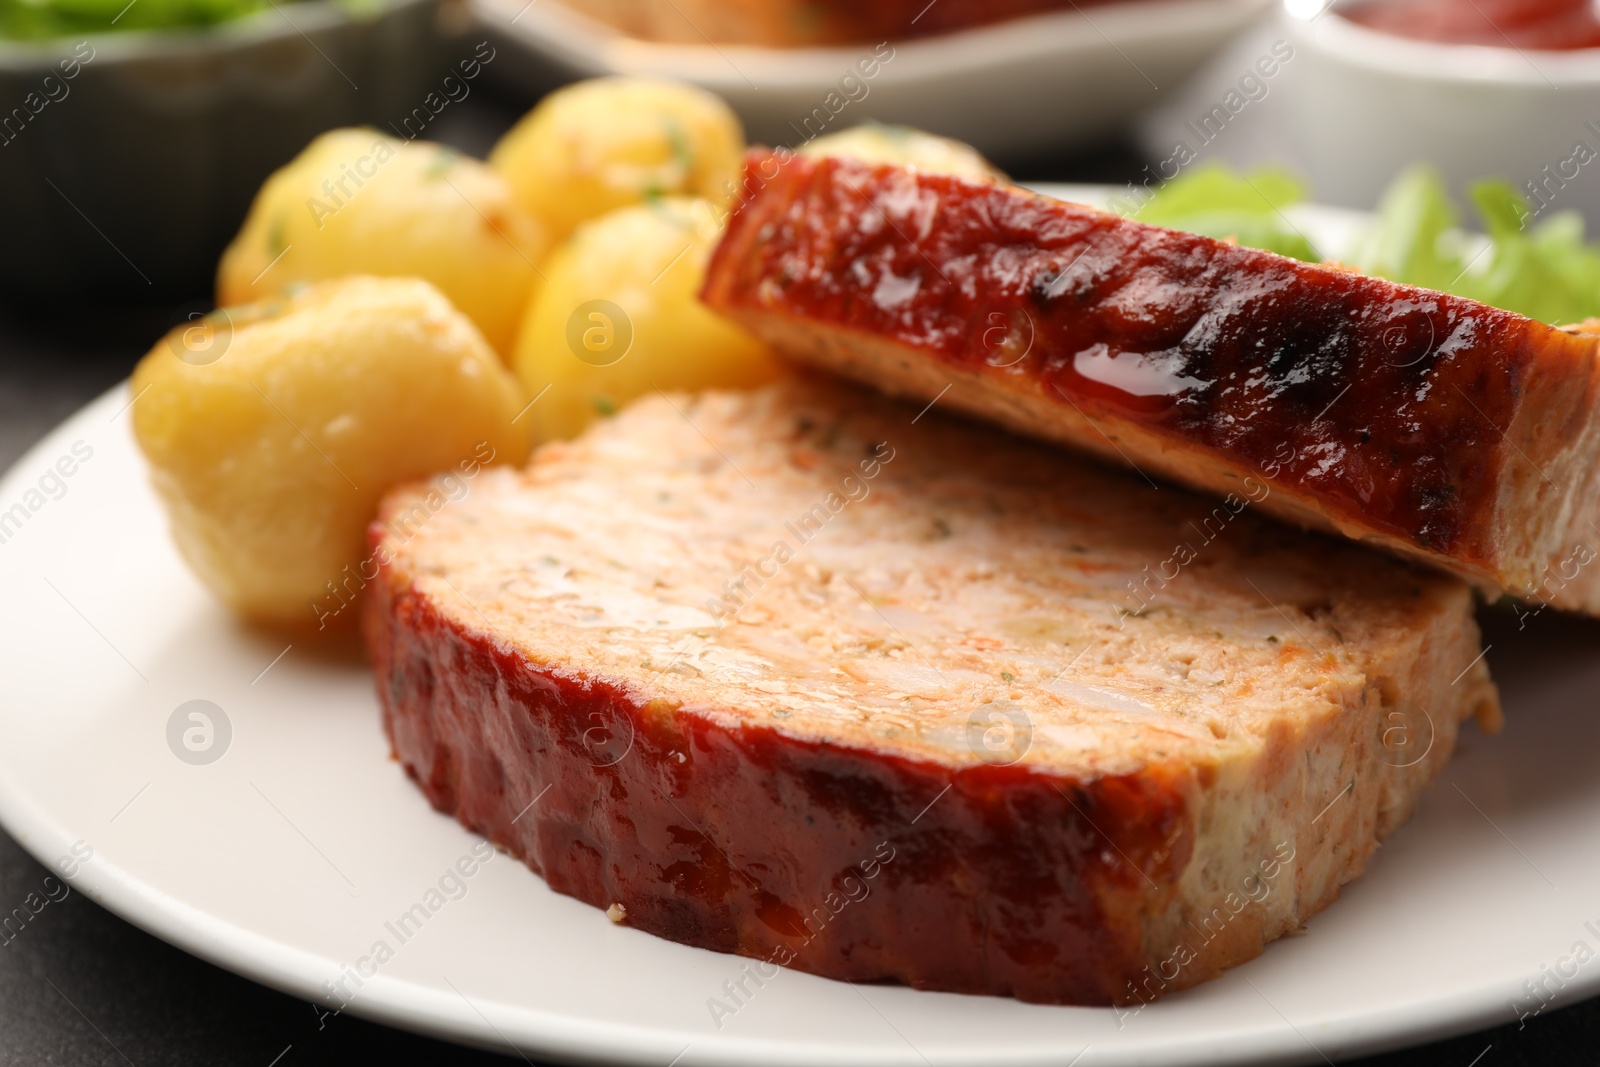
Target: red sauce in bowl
[1534,24]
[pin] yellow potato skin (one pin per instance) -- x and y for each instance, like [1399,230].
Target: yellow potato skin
[608,143]
[357,202]
[271,458]
[649,261]
[907,147]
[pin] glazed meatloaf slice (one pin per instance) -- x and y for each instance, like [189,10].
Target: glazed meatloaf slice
[1439,428]
[800,675]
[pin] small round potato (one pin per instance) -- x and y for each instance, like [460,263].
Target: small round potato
[619,316]
[272,431]
[357,202]
[611,142]
[875,143]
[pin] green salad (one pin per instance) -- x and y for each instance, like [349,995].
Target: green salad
[1542,268]
[33,20]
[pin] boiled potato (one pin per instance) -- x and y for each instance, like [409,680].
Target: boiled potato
[273,429]
[874,143]
[607,143]
[356,202]
[619,316]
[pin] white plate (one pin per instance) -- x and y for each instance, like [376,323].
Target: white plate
[1028,85]
[284,859]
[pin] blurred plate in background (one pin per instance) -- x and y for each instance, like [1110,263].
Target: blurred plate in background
[1017,88]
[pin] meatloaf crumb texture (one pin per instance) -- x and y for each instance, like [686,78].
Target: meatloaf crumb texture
[801,675]
[1436,427]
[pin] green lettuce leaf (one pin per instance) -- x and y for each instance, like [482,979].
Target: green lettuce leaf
[1408,241]
[1542,268]
[1215,202]
[47,19]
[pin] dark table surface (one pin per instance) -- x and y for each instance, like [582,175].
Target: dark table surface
[84,987]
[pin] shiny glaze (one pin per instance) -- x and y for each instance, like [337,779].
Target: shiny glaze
[1383,403]
[1555,25]
[1011,882]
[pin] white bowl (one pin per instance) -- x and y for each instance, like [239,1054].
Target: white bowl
[1015,88]
[1367,103]
[1353,106]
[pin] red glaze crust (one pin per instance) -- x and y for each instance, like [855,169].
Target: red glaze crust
[1379,410]
[843,863]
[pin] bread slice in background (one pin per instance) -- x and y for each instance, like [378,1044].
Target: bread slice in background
[804,675]
[1432,426]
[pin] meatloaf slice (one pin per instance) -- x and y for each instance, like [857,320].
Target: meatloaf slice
[800,675]
[1436,427]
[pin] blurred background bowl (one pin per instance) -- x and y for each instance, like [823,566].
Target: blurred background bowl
[1355,106]
[1369,103]
[135,176]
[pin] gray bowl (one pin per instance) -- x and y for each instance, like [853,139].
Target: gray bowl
[127,161]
